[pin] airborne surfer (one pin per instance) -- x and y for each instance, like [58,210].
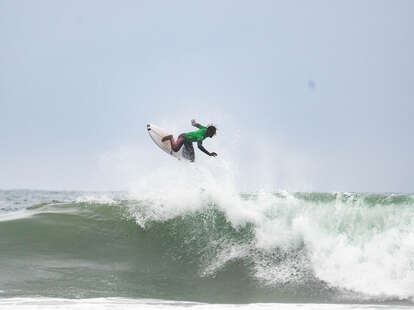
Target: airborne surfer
[188,138]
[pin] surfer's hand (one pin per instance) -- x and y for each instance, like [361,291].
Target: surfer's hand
[213,154]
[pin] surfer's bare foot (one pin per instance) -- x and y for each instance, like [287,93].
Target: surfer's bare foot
[166,138]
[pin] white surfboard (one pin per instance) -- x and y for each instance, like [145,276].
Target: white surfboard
[156,133]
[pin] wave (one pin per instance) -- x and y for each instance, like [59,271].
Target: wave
[213,246]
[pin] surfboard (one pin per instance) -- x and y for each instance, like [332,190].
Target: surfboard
[156,133]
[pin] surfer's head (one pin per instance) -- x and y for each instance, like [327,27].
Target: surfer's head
[211,131]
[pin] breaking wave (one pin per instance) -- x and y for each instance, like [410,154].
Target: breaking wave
[211,245]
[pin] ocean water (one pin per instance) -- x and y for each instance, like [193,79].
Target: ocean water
[206,247]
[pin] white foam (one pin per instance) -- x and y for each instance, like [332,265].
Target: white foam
[26,213]
[15,215]
[101,198]
[227,254]
[151,304]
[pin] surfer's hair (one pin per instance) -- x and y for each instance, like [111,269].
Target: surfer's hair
[211,130]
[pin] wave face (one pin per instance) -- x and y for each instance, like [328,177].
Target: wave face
[202,246]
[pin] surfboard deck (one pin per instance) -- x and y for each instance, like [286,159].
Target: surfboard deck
[156,133]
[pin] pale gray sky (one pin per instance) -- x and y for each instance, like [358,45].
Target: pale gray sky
[308,95]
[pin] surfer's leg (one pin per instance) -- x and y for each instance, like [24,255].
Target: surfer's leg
[176,145]
[188,151]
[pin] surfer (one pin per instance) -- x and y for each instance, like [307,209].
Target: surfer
[188,138]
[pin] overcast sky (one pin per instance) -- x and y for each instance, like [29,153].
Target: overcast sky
[307,95]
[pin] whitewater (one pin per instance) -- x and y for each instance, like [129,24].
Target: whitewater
[187,238]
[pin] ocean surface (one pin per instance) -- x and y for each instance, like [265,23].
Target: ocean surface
[203,249]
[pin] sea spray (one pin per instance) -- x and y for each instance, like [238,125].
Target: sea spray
[359,242]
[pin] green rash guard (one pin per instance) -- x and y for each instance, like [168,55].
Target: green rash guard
[198,135]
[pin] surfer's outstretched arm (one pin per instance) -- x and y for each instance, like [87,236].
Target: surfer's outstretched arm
[201,148]
[195,124]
